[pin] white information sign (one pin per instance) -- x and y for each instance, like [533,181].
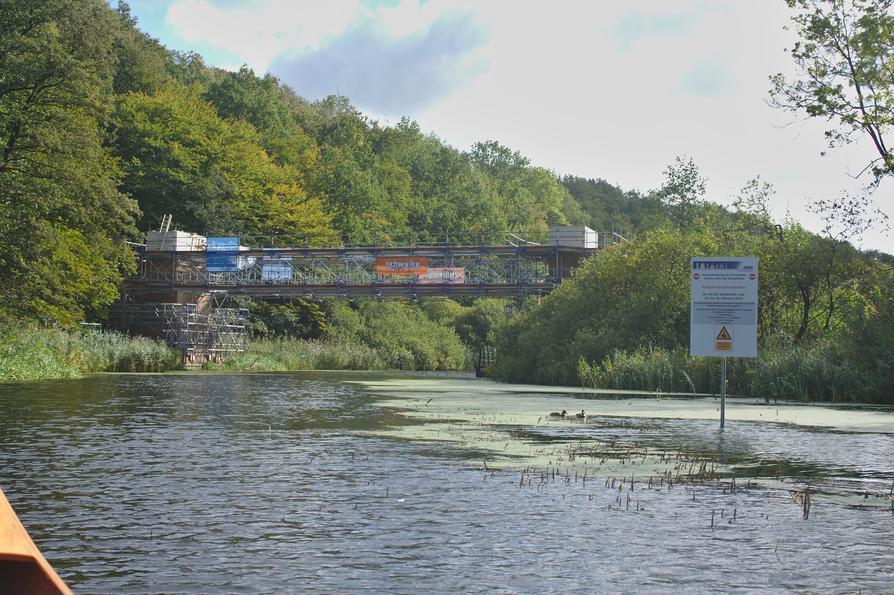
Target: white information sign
[723,319]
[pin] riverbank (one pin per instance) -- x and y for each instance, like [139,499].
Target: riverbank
[34,353]
[292,355]
[823,372]
[341,353]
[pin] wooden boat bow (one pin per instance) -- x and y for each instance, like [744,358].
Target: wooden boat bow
[23,569]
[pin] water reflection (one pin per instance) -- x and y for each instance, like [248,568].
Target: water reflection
[284,482]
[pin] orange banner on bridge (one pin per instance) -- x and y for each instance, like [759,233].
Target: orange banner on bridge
[401,265]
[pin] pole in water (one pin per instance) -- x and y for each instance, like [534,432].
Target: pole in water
[722,392]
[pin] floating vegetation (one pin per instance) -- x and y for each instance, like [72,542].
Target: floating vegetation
[802,497]
[626,455]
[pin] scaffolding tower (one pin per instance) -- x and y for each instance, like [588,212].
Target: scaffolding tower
[219,332]
[199,334]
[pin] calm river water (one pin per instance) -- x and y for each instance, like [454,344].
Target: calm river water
[326,482]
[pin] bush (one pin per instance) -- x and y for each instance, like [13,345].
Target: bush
[368,336]
[433,335]
[401,334]
[623,298]
[622,321]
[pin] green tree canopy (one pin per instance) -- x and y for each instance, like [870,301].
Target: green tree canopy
[62,218]
[682,190]
[531,197]
[212,175]
[262,102]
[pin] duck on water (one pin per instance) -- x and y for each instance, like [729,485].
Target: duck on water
[563,414]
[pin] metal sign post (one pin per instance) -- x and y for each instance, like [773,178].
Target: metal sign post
[723,314]
[722,392]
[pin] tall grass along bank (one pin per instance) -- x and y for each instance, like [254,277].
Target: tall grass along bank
[281,355]
[818,373]
[32,353]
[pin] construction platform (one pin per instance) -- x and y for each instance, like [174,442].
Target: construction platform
[184,279]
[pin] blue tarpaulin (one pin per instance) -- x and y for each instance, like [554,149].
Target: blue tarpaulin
[221,253]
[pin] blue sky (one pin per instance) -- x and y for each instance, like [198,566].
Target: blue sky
[594,88]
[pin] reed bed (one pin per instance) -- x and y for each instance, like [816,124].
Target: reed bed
[283,355]
[32,353]
[819,373]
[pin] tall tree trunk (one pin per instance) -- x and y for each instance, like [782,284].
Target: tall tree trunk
[805,312]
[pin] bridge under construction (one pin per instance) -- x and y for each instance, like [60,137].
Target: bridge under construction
[184,280]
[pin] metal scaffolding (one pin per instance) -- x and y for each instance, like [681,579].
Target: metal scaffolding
[196,330]
[180,291]
[509,271]
[220,331]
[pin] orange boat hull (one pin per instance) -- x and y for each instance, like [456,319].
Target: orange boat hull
[23,569]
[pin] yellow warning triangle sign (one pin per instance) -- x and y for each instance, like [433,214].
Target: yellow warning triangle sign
[723,335]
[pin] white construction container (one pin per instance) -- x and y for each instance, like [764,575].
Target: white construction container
[573,236]
[174,241]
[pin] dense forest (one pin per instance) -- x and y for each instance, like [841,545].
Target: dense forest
[103,131]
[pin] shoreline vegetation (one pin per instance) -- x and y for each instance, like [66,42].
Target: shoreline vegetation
[801,375]
[808,375]
[825,309]
[35,353]
[295,355]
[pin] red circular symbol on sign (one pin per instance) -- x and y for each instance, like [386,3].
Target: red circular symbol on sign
[695,275]
[752,276]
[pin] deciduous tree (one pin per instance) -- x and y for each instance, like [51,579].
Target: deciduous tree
[844,58]
[62,219]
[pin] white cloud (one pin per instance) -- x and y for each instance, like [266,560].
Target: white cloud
[260,31]
[390,60]
[708,78]
[599,89]
[563,91]
[391,76]
[634,25]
